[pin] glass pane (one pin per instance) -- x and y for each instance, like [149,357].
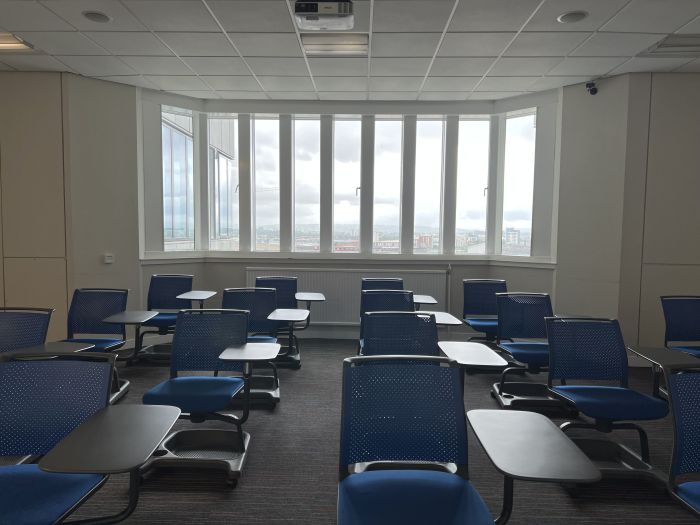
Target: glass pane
[266,174]
[223,172]
[472,181]
[428,201]
[307,185]
[346,184]
[518,184]
[388,136]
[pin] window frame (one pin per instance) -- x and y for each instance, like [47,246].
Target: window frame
[190,207]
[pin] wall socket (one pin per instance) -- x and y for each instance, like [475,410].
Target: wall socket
[108,258]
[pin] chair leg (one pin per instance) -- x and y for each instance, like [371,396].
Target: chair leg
[134,482]
[643,438]
[502,382]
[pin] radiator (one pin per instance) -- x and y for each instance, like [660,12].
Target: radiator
[342,288]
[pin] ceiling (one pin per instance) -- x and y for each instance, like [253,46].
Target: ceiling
[419,49]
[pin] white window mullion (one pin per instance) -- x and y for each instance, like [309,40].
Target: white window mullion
[449,186]
[244,183]
[201,181]
[495,195]
[408,189]
[367,185]
[326,233]
[286,184]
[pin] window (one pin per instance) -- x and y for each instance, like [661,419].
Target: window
[265,139]
[223,182]
[346,184]
[518,184]
[427,226]
[388,138]
[307,184]
[178,180]
[472,183]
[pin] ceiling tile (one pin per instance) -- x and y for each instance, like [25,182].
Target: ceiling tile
[278,66]
[267,45]
[197,94]
[342,95]
[198,44]
[644,64]
[276,83]
[524,66]
[294,95]
[404,16]
[29,16]
[506,83]
[474,44]
[62,43]
[653,16]
[586,66]
[617,44]
[404,44]
[494,95]
[450,83]
[492,15]
[460,67]
[598,13]
[157,65]
[232,83]
[338,67]
[34,63]
[178,83]
[545,44]
[407,67]
[72,11]
[341,83]
[545,83]
[692,27]
[690,67]
[217,65]
[395,83]
[253,16]
[132,80]
[389,95]
[121,43]
[97,66]
[173,15]
[443,95]
[242,95]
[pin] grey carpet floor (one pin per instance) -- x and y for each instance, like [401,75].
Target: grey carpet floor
[291,474]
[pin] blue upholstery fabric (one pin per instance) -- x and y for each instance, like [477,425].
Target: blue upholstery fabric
[521,315]
[286,289]
[23,328]
[690,493]
[528,353]
[164,289]
[195,394]
[90,306]
[681,314]
[382,283]
[399,333]
[162,320]
[259,302]
[684,392]
[405,497]
[614,403]
[486,326]
[101,344]
[480,296]
[693,350]
[261,339]
[31,496]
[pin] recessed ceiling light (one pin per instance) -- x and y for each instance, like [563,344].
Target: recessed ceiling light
[572,17]
[336,44]
[9,42]
[97,16]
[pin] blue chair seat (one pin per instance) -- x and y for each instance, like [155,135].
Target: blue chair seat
[403,497]
[528,353]
[162,320]
[690,493]
[693,350]
[261,339]
[195,394]
[101,344]
[613,403]
[487,326]
[31,496]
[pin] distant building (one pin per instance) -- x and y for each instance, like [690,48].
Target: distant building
[512,236]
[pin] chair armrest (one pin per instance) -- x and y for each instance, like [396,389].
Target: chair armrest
[117,439]
[528,446]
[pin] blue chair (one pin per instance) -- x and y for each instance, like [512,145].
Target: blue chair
[384,301]
[682,314]
[286,288]
[593,350]
[23,327]
[88,308]
[200,337]
[382,283]
[480,309]
[400,333]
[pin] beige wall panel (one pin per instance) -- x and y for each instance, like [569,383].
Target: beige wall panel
[32,165]
[40,283]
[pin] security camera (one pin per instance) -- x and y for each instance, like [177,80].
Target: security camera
[591,88]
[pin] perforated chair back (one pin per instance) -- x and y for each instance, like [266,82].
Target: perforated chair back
[260,302]
[286,289]
[684,398]
[382,283]
[480,296]
[385,301]
[682,314]
[44,398]
[521,315]
[591,349]
[400,333]
[23,327]
[163,290]
[90,306]
[201,336]
[402,409]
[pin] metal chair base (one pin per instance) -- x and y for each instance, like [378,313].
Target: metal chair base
[264,393]
[156,354]
[534,397]
[120,390]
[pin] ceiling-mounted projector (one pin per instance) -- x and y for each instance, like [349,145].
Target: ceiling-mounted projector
[324,15]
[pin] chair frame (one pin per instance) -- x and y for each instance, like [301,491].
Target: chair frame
[71,333]
[392,280]
[484,337]
[418,313]
[663,299]
[48,311]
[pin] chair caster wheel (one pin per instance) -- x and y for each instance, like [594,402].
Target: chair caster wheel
[232,483]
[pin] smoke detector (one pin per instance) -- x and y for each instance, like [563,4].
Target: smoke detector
[324,15]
